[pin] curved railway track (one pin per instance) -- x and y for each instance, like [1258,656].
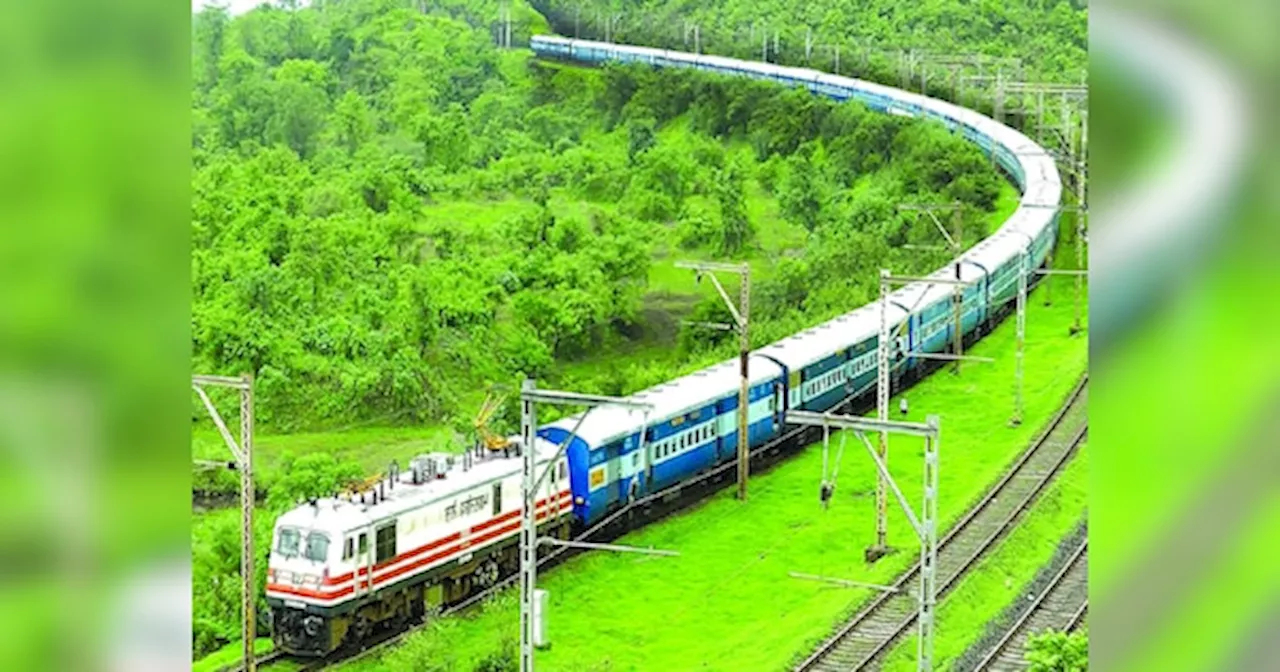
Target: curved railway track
[862,643]
[1062,605]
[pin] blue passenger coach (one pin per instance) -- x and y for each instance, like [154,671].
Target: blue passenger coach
[693,425]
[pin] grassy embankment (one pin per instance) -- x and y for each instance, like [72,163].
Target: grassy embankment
[726,602]
[998,580]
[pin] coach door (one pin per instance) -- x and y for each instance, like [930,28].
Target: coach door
[364,562]
[779,406]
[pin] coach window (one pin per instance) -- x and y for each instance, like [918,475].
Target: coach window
[385,538]
[317,547]
[497,498]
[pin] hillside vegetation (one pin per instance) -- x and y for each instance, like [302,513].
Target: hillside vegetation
[390,213]
[1048,37]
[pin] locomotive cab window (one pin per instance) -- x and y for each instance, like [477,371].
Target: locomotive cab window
[497,498]
[363,546]
[287,545]
[564,470]
[385,539]
[317,547]
[349,548]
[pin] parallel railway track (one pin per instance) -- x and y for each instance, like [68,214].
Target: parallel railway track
[863,642]
[658,504]
[1062,605]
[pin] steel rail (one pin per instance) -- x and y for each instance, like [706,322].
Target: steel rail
[1079,617]
[1073,575]
[841,644]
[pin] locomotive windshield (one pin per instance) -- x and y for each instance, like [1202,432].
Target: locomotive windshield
[317,547]
[287,545]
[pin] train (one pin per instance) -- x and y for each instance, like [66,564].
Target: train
[448,525]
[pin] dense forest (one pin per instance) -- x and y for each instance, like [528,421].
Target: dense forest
[965,51]
[389,212]
[1043,39]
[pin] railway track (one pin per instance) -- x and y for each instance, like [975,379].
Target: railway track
[614,525]
[1062,605]
[650,507]
[862,643]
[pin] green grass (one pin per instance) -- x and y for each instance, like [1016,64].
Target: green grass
[230,655]
[726,602]
[998,580]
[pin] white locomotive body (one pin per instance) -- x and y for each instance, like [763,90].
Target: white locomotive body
[340,566]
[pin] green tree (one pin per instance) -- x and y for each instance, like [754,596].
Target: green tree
[311,476]
[301,105]
[735,227]
[353,121]
[640,138]
[208,44]
[802,194]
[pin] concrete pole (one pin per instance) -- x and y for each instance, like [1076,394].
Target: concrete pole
[929,547]
[246,521]
[1081,213]
[998,109]
[1024,268]
[744,352]
[1040,118]
[958,217]
[528,526]
[882,414]
[957,310]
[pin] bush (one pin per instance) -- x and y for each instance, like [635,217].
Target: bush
[1058,652]
[310,476]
